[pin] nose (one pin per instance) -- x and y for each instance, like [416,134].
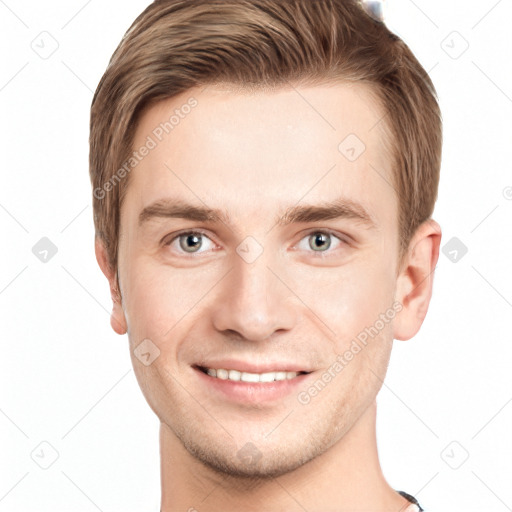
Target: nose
[254,301]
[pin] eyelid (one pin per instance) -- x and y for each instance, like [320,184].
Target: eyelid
[340,236]
[169,238]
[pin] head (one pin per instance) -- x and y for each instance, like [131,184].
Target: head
[264,175]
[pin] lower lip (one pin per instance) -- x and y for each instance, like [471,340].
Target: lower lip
[248,392]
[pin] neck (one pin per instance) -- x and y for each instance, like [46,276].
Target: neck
[345,477]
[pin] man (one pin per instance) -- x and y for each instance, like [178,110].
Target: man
[264,174]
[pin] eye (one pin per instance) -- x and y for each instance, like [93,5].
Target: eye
[320,241]
[190,242]
[197,242]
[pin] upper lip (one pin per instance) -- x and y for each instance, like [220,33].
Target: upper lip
[252,367]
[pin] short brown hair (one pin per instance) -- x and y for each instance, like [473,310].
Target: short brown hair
[175,45]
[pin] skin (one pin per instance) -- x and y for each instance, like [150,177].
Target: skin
[254,155]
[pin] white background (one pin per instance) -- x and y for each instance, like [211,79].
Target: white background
[66,378]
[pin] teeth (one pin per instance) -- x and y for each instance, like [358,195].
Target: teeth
[221,374]
[250,377]
[234,375]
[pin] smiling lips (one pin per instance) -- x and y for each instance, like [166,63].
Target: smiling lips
[236,375]
[245,383]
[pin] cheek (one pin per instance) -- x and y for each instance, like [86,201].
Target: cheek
[159,297]
[347,299]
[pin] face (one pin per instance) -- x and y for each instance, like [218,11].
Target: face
[260,235]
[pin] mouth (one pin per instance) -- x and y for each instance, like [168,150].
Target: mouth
[251,388]
[240,376]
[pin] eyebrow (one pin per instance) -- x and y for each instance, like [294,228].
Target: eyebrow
[337,209]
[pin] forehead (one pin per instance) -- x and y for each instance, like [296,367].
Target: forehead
[251,152]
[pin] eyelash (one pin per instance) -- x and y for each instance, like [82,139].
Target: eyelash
[319,254]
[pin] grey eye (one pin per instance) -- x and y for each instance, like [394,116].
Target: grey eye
[191,242]
[319,241]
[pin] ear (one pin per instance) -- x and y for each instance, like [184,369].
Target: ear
[415,279]
[117,318]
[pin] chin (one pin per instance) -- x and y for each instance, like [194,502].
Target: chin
[249,462]
[245,459]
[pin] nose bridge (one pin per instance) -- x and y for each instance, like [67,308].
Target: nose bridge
[254,301]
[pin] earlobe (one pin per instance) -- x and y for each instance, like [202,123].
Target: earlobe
[414,283]
[117,317]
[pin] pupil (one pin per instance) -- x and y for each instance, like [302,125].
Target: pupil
[320,239]
[193,239]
